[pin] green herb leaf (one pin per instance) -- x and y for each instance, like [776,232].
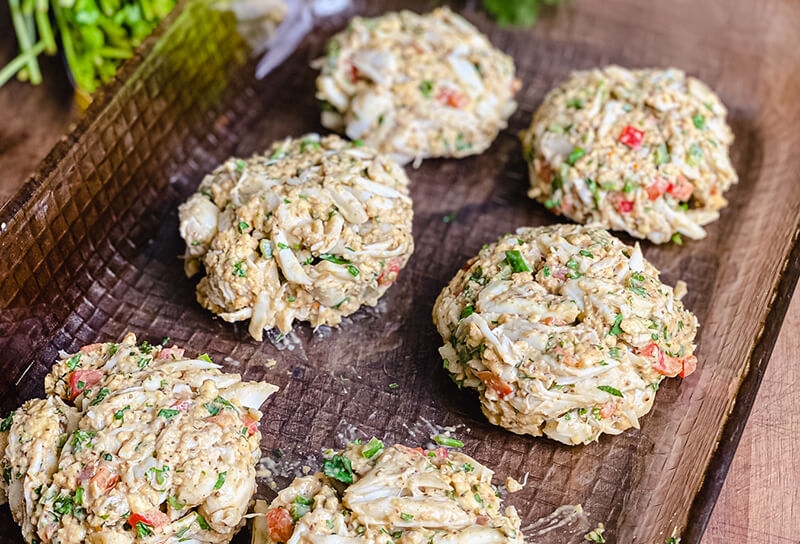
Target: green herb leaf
[615,328]
[425,88]
[576,154]
[447,441]
[467,311]
[699,120]
[205,357]
[5,425]
[72,362]
[167,413]
[517,261]
[103,393]
[220,480]
[610,390]
[338,468]
[372,448]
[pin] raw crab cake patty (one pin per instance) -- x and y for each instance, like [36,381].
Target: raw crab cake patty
[110,456]
[563,330]
[643,151]
[369,493]
[311,230]
[416,86]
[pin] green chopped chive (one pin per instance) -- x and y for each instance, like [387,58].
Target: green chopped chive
[143,530]
[550,203]
[73,361]
[103,393]
[576,154]
[610,390]
[677,238]
[167,413]
[352,269]
[586,253]
[615,328]
[425,88]
[468,467]
[628,187]
[205,357]
[517,261]
[406,517]
[661,155]
[575,103]
[203,523]
[175,503]
[373,447]
[220,480]
[699,120]
[393,385]
[239,270]
[546,270]
[308,142]
[335,259]
[120,414]
[572,264]
[447,441]
[467,311]
[243,227]
[281,245]
[240,164]
[357,143]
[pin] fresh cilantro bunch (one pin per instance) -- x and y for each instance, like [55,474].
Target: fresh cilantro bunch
[516,12]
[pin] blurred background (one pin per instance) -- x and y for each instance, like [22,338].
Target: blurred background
[760,502]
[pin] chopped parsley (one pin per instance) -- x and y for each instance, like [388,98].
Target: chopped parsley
[339,468]
[119,415]
[372,448]
[103,393]
[517,262]
[425,88]
[72,362]
[699,121]
[243,227]
[467,311]
[239,271]
[6,423]
[167,413]
[615,328]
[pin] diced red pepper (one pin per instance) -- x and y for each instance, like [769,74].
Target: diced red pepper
[663,364]
[441,451]
[353,73]
[406,449]
[657,188]
[80,380]
[104,480]
[682,190]
[181,405]
[390,272]
[495,383]
[625,206]
[279,522]
[251,424]
[171,353]
[153,518]
[608,409]
[454,99]
[91,347]
[689,365]
[631,136]
[554,321]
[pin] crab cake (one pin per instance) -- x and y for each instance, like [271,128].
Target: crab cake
[311,230]
[564,331]
[30,438]
[116,444]
[416,86]
[642,151]
[369,493]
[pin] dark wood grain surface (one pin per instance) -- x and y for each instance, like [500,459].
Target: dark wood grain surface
[761,117]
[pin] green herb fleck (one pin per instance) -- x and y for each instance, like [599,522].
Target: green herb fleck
[610,390]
